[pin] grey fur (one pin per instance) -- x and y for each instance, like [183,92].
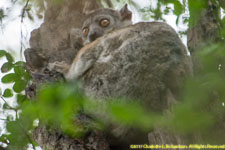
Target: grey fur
[115,17]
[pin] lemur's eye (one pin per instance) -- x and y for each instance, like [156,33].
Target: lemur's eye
[85,31]
[104,23]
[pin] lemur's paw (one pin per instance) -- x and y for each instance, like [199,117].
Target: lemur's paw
[61,67]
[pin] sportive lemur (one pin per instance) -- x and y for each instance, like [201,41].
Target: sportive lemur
[97,24]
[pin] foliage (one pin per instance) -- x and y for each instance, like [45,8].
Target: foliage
[201,106]
[15,73]
[2,14]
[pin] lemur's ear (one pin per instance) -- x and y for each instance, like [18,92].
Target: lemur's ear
[125,13]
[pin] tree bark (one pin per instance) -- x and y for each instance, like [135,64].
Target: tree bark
[204,29]
[202,34]
[51,42]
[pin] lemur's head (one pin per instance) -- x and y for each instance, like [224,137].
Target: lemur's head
[104,20]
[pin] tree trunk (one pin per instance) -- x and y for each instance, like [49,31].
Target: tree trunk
[204,29]
[48,43]
[202,34]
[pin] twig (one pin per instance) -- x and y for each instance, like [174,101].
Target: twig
[21,30]
[3,119]
[7,103]
[28,137]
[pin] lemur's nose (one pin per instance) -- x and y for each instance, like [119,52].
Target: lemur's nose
[94,33]
[93,36]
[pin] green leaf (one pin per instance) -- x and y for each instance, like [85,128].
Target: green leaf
[21,98]
[27,76]
[6,67]
[178,8]
[19,86]
[18,139]
[4,138]
[2,14]
[195,9]
[20,63]
[9,78]
[2,53]
[19,70]
[167,10]
[9,57]
[5,106]
[10,118]
[7,93]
